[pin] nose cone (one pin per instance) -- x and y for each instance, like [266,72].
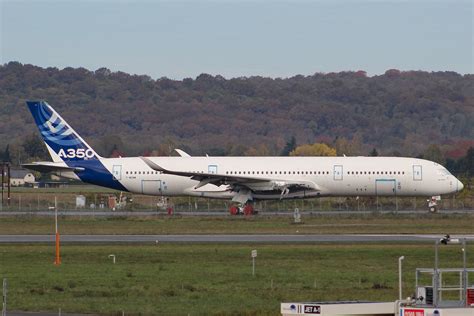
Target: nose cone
[460,186]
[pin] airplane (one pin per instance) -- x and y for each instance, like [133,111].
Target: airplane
[240,179]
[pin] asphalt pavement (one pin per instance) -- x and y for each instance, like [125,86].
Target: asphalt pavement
[250,238]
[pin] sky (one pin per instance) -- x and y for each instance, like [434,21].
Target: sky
[180,39]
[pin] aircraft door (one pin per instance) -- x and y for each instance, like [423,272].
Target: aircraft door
[385,187]
[417,173]
[117,172]
[338,174]
[212,169]
[152,187]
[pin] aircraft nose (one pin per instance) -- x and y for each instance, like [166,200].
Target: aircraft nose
[460,186]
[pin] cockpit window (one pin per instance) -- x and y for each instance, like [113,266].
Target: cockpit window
[444,172]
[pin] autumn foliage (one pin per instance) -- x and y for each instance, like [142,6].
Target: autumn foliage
[398,113]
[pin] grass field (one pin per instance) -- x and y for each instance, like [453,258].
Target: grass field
[208,279]
[373,223]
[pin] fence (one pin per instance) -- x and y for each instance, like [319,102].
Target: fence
[37,201]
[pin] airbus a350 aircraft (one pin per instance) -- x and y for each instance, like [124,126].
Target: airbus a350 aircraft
[241,179]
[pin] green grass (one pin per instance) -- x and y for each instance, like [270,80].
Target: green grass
[357,224]
[170,279]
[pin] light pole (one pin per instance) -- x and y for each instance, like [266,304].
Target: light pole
[400,277]
[4,301]
[57,257]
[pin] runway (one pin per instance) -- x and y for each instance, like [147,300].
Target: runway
[118,239]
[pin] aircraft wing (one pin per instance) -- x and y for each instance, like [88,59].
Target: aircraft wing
[250,182]
[47,166]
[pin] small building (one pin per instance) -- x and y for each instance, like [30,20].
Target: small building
[49,184]
[20,177]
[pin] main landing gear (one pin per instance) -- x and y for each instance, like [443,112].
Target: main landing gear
[246,209]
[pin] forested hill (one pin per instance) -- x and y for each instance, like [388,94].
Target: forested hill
[401,112]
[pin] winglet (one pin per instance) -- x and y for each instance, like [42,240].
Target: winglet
[153,165]
[182,153]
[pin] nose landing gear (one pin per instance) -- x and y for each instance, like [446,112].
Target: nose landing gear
[433,203]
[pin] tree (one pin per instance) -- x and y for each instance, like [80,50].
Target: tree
[396,111]
[347,147]
[465,165]
[6,157]
[260,150]
[374,153]
[34,148]
[110,144]
[433,153]
[289,147]
[316,149]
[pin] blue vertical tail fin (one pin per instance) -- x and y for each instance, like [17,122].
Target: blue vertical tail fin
[63,143]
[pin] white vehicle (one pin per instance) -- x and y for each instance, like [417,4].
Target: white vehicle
[241,179]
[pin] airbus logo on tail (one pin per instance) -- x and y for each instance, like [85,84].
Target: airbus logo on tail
[80,153]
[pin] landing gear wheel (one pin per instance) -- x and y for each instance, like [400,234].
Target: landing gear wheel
[234,210]
[248,209]
[433,203]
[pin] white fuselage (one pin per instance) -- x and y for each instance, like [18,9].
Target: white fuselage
[241,179]
[331,176]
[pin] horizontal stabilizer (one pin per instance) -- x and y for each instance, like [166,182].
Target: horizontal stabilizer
[46,166]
